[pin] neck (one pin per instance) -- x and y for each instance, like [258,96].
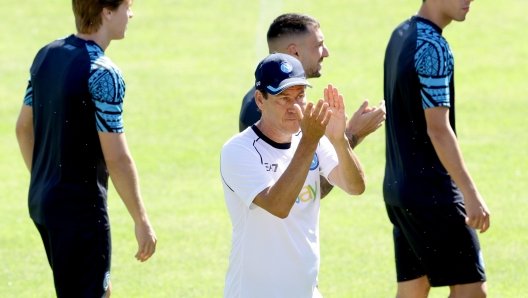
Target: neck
[434,15]
[272,132]
[100,38]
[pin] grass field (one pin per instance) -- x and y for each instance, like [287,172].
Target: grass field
[187,65]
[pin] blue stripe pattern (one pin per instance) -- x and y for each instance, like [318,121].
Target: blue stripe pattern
[434,64]
[28,98]
[107,87]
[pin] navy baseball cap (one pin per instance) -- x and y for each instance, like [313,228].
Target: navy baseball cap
[278,72]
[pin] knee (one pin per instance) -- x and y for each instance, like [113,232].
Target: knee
[475,290]
[417,288]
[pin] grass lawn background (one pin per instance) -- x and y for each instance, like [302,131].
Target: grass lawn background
[187,65]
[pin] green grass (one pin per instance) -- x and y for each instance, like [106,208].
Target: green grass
[187,65]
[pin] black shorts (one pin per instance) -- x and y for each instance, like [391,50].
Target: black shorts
[80,261]
[435,241]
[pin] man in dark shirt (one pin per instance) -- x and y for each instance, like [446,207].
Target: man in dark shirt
[430,197]
[71,135]
[300,35]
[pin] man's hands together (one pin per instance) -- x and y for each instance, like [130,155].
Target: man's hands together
[365,121]
[314,119]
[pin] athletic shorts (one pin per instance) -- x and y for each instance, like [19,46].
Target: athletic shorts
[80,261]
[435,241]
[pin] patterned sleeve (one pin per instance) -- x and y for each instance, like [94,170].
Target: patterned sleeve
[28,98]
[434,65]
[107,87]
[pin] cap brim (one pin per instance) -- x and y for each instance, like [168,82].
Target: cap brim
[285,84]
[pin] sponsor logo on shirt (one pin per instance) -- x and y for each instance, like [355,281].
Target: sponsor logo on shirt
[308,193]
[271,167]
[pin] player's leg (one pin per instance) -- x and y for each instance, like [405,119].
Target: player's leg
[80,262]
[416,288]
[109,289]
[447,248]
[410,274]
[472,290]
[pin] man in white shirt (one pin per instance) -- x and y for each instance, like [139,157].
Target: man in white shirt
[271,182]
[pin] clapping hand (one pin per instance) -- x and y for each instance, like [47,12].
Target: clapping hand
[337,124]
[314,119]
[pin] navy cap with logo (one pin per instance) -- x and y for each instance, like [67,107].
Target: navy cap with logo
[278,72]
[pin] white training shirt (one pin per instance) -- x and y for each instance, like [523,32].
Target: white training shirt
[271,257]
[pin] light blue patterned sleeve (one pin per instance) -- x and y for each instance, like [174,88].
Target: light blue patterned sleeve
[107,87]
[28,98]
[434,64]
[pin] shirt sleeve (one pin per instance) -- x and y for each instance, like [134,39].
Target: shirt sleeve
[434,65]
[242,172]
[107,88]
[327,157]
[28,98]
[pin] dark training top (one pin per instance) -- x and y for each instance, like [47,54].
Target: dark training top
[419,74]
[74,91]
[249,111]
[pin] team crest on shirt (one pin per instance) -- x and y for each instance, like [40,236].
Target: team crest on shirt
[315,163]
[106,280]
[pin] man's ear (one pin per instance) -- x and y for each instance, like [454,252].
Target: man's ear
[259,99]
[107,14]
[293,50]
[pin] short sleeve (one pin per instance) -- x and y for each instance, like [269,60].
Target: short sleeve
[28,98]
[242,172]
[107,87]
[434,65]
[326,156]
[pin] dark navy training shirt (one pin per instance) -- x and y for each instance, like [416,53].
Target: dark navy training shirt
[419,74]
[74,91]
[249,111]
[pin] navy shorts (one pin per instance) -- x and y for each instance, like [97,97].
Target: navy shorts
[435,241]
[80,261]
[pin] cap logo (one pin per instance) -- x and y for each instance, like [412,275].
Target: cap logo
[286,67]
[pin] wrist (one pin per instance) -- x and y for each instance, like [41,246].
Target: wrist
[340,141]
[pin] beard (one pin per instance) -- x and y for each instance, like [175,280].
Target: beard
[313,72]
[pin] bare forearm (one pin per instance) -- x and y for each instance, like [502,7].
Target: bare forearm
[448,151]
[26,134]
[280,197]
[350,176]
[125,179]
[326,187]
[353,140]
[26,144]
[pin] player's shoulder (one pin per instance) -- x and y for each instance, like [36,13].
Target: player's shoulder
[243,138]
[99,61]
[239,145]
[430,36]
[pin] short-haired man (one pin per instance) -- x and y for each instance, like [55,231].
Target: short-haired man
[430,197]
[300,35]
[270,175]
[70,132]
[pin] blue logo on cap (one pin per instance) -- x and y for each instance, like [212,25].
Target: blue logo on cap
[286,67]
